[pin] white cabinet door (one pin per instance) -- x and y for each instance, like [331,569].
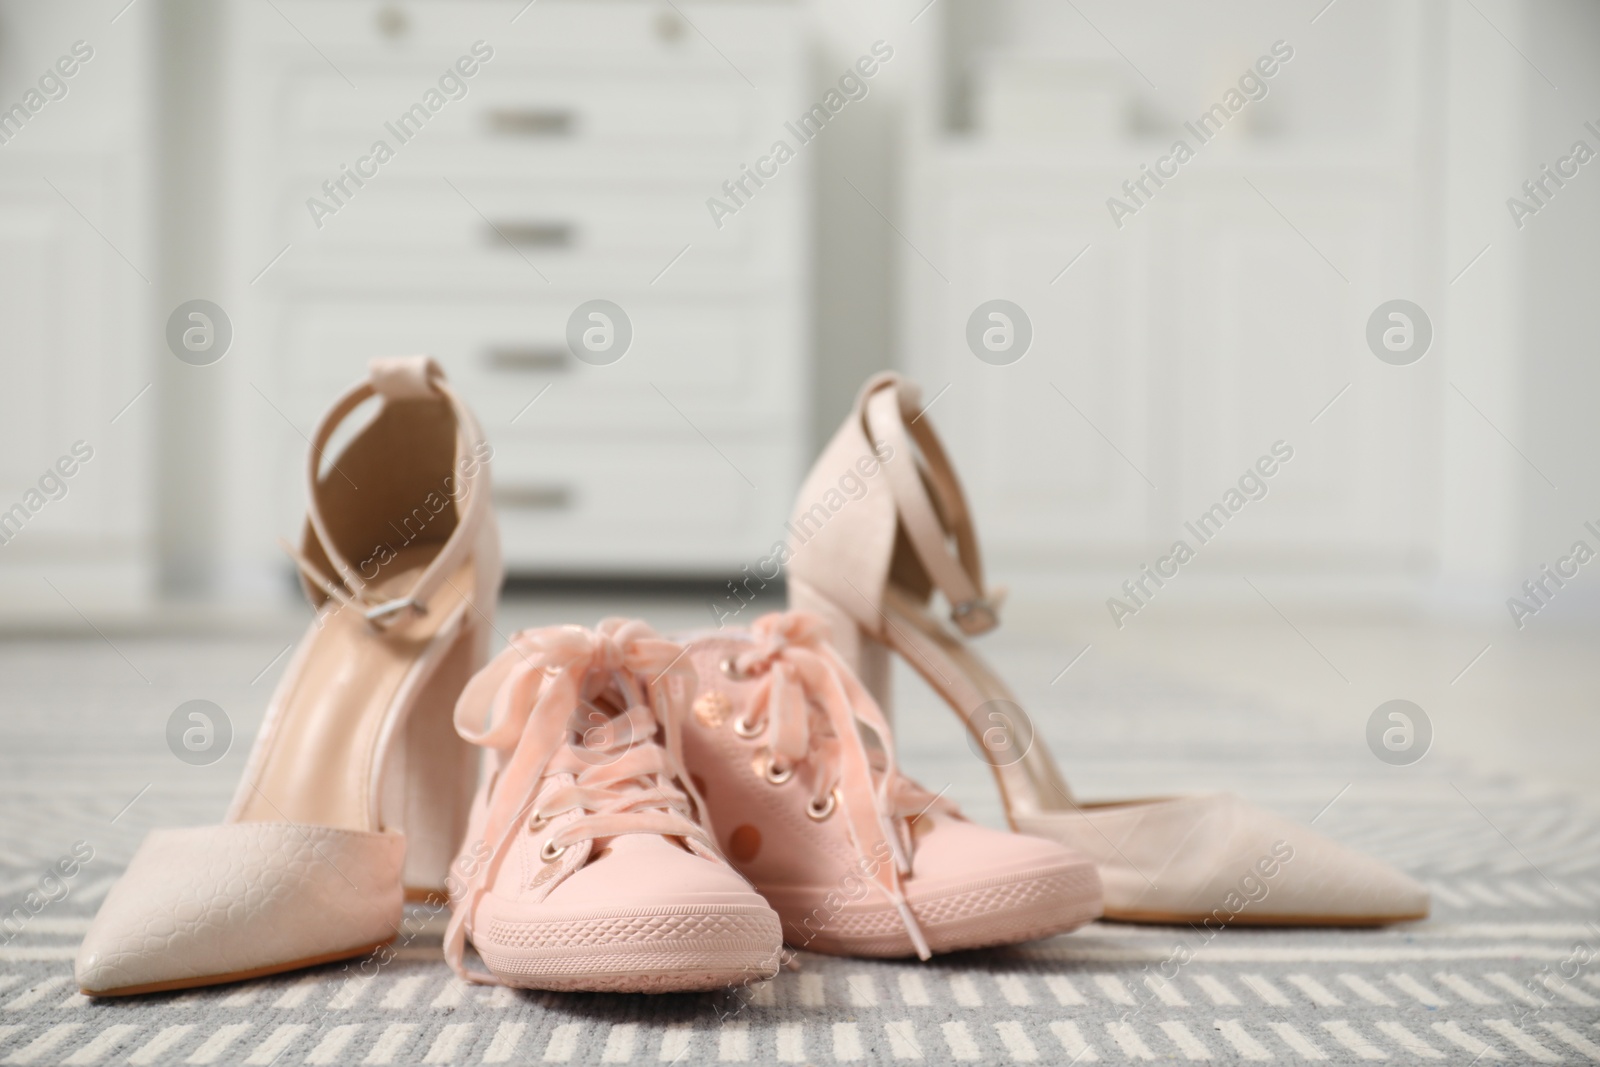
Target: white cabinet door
[1055,448]
[1279,274]
[1172,354]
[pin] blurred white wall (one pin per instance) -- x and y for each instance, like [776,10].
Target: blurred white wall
[978,166]
[1557,345]
[1444,490]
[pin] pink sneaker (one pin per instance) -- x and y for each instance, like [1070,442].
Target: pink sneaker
[796,764]
[587,865]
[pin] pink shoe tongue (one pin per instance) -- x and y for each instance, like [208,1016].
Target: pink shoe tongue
[629,846]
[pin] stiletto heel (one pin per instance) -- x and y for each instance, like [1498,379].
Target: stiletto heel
[357,787]
[875,566]
[428,787]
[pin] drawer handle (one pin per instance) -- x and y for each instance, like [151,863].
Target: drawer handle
[527,357]
[534,497]
[531,234]
[392,22]
[530,121]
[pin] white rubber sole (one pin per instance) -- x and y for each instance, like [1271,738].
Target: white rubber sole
[1000,911]
[659,951]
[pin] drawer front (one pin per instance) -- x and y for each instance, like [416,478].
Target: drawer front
[666,501]
[624,233]
[609,33]
[631,112]
[716,364]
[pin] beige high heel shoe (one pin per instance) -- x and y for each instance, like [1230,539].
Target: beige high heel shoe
[357,792]
[870,566]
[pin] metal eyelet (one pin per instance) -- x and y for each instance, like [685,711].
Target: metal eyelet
[776,776]
[548,854]
[536,822]
[745,728]
[730,667]
[821,813]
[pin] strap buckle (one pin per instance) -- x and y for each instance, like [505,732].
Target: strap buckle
[383,614]
[976,616]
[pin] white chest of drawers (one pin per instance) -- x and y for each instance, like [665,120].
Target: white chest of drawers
[574,163]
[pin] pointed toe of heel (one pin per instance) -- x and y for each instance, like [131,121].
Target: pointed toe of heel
[357,788]
[1215,857]
[240,900]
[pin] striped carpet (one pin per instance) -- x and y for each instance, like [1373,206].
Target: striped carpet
[1505,971]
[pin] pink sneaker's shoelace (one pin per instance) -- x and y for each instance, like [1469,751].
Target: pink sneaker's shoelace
[561,762]
[799,671]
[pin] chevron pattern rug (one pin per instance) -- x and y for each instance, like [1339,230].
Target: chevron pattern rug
[1507,970]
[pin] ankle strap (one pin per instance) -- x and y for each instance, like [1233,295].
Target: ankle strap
[395,379]
[891,407]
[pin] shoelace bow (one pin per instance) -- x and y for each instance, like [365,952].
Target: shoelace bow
[798,670]
[613,779]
